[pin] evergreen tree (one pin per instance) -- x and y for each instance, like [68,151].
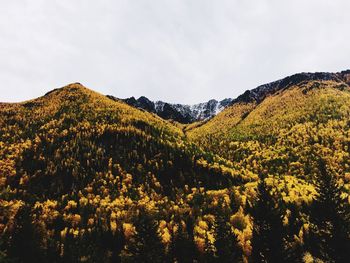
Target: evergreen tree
[4,258]
[267,241]
[146,245]
[208,255]
[117,242]
[52,251]
[71,248]
[96,243]
[25,242]
[226,244]
[294,249]
[329,237]
[182,246]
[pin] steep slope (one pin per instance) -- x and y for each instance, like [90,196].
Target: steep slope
[179,112]
[76,169]
[71,134]
[283,129]
[88,178]
[260,93]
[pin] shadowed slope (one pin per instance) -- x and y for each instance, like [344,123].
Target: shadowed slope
[60,142]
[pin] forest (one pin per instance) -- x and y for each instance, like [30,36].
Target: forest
[84,178]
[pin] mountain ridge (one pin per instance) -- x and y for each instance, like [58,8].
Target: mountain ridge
[182,113]
[80,172]
[187,114]
[259,93]
[264,113]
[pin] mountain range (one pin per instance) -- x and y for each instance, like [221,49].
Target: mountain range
[179,112]
[203,111]
[264,177]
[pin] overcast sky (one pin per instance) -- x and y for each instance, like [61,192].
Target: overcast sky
[184,51]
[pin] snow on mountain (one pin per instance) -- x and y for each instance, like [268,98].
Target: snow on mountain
[202,111]
[180,112]
[261,92]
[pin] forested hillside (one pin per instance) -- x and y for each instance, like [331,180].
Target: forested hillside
[296,139]
[79,172]
[84,178]
[286,131]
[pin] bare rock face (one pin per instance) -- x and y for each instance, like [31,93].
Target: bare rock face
[202,111]
[261,92]
[179,112]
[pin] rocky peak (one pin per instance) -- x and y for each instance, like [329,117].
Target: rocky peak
[179,112]
[259,94]
[206,110]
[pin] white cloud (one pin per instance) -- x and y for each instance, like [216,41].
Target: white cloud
[174,50]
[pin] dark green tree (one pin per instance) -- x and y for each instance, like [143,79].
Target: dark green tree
[116,243]
[3,253]
[329,237]
[268,232]
[183,248]
[96,243]
[208,254]
[146,245]
[226,244]
[25,243]
[294,248]
[72,248]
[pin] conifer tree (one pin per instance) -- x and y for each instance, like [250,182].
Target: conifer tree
[294,249]
[146,245]
[25,241]
[98,245]
[329,237]
[52,253]
[267,241]
[182,246]
[226,244]
[117,243]
[71,249]
[208,254]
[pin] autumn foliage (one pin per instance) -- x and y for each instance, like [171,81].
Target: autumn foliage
[84,178]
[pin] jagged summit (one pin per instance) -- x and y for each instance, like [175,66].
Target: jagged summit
[90,178]
[204,111]
[270,108]
[259,94]
[179,112]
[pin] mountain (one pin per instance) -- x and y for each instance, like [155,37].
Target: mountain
[74,126]
[298,118]
[77,168]
[187,114]
[244,105]
[179,112]
[260,93]
[88,178]
[294,134]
